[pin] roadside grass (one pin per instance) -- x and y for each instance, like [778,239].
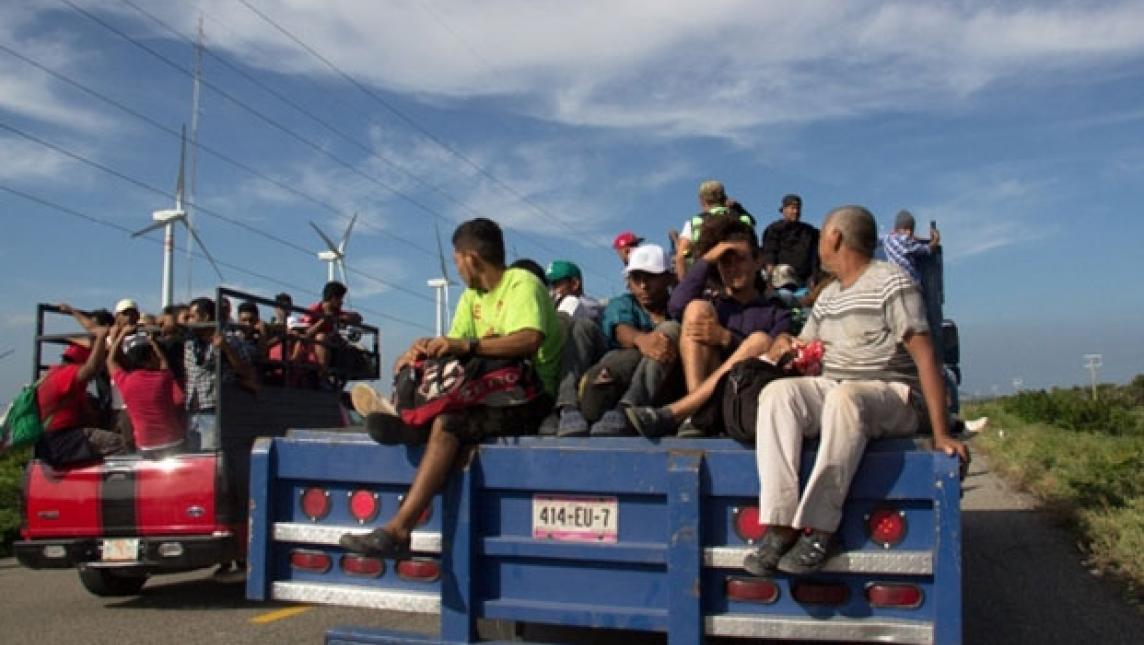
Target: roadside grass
[1093,480]
[11,473]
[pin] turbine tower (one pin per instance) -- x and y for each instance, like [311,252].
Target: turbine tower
[167,219]
[335,254]
[441,286]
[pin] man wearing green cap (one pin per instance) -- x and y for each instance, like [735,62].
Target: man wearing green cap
[566,284]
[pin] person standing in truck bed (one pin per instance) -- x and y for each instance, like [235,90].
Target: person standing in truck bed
[879,379]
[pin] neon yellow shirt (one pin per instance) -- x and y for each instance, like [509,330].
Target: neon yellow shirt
[518,302]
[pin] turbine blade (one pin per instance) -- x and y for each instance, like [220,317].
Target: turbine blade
[330,243]
[345,279]
[346,236]
[199,241]
[148,229]
[440,252]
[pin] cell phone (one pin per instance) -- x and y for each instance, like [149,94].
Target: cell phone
[933,224]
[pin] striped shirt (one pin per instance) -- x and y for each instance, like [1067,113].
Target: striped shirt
[864,325]
[907,252]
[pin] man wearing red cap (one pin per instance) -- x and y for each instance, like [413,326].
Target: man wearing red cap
[624,243]
[67,414]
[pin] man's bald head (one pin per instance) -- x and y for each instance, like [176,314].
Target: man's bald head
[857,227]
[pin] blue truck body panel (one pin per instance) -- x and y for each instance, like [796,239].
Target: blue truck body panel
[669,570]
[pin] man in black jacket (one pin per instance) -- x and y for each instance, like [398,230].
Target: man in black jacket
[791,241]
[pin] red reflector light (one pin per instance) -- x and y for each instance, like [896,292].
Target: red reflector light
[419,569]
[360,565]
[315,561]
[886,526]
[758,590]
[902,596]
[364,505]
[315,503]
[747,525]
[820,593]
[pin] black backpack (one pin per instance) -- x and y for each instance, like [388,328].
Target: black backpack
[734,406]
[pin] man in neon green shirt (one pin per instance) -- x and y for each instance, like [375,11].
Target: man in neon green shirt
[503,314]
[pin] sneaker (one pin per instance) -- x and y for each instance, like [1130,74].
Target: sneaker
[229,573]
[649,421]
[976,425]
[366,400]
[689,430]
[809,554]
[612,424]
[389,430]
[764,560]
[572,424]
[378,542]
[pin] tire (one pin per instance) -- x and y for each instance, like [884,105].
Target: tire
[109,582]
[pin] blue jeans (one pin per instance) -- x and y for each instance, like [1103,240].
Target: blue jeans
[202,431]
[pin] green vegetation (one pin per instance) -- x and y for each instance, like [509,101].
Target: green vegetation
[1085,459]
[11,473]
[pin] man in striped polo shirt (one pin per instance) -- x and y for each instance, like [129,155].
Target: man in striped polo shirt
[879,379]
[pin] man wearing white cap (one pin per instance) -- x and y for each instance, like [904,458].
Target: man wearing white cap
[644,346]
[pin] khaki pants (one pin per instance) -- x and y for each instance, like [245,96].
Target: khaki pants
[844,415]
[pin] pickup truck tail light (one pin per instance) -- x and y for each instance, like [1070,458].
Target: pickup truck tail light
[899,596]
[364,505]
[364,566]
[419,569]
[760,590]
[315,503]
[886,526]
[820,593]
[746,522]
[307,560]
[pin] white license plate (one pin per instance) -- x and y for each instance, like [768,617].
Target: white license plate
[575,519]
[120,550]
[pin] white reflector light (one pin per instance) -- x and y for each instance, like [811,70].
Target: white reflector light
[55,551]
[170,550]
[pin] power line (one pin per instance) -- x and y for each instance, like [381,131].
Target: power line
[317,147]
[392,109]
[255,274]
[211,212]
[306,112]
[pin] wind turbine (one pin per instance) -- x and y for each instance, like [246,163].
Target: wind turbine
[335,254]
[167,219]
[441,286]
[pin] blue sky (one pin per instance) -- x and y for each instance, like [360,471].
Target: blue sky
[1019,127]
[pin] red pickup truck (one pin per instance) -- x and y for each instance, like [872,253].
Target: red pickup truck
[124,519]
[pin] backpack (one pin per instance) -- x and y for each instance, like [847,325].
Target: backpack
[21,425]
[434,386]
[734,406]
[733,210]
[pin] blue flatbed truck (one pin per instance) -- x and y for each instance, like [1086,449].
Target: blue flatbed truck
[652,537]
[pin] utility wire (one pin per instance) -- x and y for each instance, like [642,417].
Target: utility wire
[392,109]
[317,147]
[205,148]
[306,112]
[118,227]
[200,208]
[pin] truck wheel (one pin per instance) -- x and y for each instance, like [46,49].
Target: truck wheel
[109,582]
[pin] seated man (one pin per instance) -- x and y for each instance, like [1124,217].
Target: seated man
[566,285]
[878,356]
[714,202]
[70,435]
[503,314]
[644,353]
[150,392]
[624,243]
[714,328]
[322,319]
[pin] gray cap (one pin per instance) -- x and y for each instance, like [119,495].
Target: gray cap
[904,220]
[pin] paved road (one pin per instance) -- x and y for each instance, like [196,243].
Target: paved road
[1024,583]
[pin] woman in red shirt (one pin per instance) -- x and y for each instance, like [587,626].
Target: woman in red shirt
[153,397]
